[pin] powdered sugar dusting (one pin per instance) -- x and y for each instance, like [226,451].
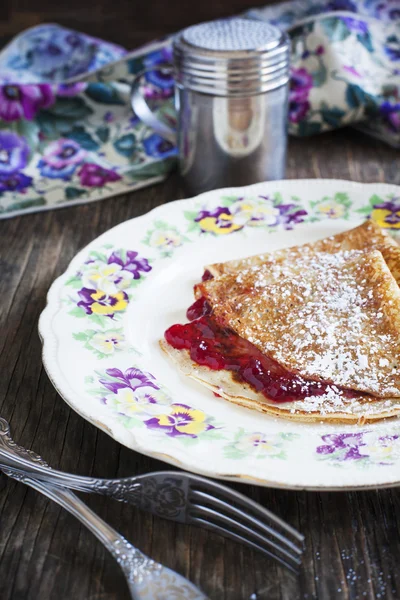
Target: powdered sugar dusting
[325,316]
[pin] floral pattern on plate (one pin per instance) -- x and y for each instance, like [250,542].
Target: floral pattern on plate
[366,448]
[136,398]
[258,445]
[115,388]
[235,213]
[164,237]
[101,291]
[384,211]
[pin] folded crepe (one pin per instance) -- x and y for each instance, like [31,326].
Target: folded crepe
[309,333]
[368,236]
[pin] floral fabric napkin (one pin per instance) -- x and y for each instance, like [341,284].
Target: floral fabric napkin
[345,64]
[67,131]
[68,134]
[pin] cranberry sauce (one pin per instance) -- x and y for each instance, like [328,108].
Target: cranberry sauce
[200,308]
[207,275]
[221,348]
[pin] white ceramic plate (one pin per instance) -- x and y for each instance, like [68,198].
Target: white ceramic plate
[105,315]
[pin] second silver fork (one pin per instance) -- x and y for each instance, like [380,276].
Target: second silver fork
[177,496]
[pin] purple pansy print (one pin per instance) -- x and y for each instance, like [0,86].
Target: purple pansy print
[387,214]
[342,5]
[290,214]
[391,114]
[92,175]
[96,302]
[348,444]
[157,146]
[24,101]
[61,158]
[301,83]
[14,152]
[131,378]
[160,78]
[15,182]
[182,420]
[132,262]
[363,446]
[357,25]
[70,89]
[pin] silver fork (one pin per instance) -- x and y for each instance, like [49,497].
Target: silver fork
[178,496]
[146,579]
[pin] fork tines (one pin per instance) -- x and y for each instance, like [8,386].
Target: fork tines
[235,516]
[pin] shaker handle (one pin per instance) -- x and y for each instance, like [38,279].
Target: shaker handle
[142,110]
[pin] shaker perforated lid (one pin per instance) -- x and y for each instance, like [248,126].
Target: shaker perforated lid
[231,57]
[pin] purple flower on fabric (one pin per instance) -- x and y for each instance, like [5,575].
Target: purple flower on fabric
[14,152]
[393,52]
[157,146]
[391,114]
[357,25]
[298,110]
[132,262]
[15,182]
[290,215]
[64,152]
[92,175]
[109,117]
[131,378]
[181,421]
[24,101]
[61,158]
[352,71]
[70,89]
[342,5]
[348,444]
[160,78]
[301,82]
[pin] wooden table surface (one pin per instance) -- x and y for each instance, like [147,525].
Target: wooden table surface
[352,539]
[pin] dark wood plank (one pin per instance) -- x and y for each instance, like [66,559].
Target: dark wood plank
[353,547]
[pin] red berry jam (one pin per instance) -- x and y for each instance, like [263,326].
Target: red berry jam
[219,348]
[207,275]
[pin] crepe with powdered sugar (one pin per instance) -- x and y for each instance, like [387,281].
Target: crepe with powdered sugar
[332,318]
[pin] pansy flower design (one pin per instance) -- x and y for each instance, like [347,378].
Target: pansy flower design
[219,221]
[387,214]
[241,212]
[107,342]
[257,444]
[132,403]
[301,82]
[156,146]
[93,175]
[15,182]
[98,302]
[61,158]
[181,420]
[365,447]
[254,211]
[132,378]
[14,153]
[24,101]
[130,262]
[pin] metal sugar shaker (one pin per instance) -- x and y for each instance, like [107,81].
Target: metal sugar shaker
[231,97]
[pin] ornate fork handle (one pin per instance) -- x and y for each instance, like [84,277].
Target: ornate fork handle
[147,579]
[164,495]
